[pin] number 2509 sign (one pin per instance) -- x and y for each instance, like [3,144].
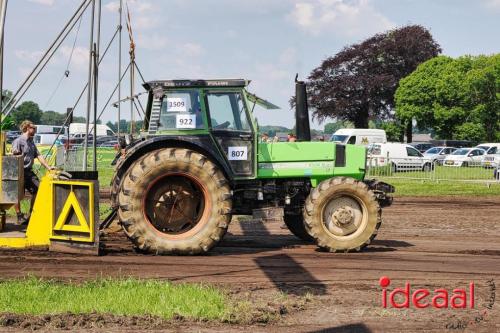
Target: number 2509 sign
[237,153]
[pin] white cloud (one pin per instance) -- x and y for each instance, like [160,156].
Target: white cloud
[44,2]
[152,42]
[28,56]
[79,59]
[493,3]
[191,50]
[143,14]
[350,18]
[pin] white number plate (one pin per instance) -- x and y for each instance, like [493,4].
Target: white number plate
[237,153]
[185,121]
[176,104]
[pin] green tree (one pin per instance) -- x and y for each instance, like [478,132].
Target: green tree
[454,97]
[331,128]
[470,131]
[27,111]
[394,130]
[52,118]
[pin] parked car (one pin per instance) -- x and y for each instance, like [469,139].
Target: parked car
[103,139]
[11,136]
[453,143]
[359,136]
[491,161]
[422,146]
[438,154]
[465,157]
[399,156]
[489,148]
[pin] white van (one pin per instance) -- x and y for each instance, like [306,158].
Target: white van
[79,128]
[489,148]
[399,156]
[359,136]
[48,139]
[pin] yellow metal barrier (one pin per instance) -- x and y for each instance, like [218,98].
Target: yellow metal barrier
[64,210]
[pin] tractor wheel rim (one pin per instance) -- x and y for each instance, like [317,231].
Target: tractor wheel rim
[175,204]
[343,216]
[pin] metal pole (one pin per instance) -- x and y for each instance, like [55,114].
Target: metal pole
[89,91]
[94,142]
[131,95]
[120,63]
[3,13]
[96,82]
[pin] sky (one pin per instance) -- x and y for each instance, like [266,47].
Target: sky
[265,41]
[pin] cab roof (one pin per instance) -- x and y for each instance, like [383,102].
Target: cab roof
[196,83]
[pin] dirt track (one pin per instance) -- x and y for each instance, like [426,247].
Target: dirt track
[429,242]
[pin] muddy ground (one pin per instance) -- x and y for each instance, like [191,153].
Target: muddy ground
[431,243]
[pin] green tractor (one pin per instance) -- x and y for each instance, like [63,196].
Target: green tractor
[199,161]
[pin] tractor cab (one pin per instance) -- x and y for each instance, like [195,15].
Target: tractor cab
[220,110]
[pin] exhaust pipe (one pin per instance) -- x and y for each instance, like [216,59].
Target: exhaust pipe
[301,111]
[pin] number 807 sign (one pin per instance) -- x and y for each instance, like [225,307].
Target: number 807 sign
[237,153]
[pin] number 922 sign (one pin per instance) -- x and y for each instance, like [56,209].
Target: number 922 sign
[237,153]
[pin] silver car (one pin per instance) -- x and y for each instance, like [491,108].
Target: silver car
[438,154]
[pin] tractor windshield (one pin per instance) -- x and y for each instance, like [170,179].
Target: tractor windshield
[180,110]
[228,111]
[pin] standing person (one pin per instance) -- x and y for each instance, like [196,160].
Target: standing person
[25,147]
[291,137]
[265,138]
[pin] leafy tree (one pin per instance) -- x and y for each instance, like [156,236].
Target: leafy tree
[79,119]
[470,131]
[453,97]
[394,131]
[112,126]
[27,111]
[52,118]
[358,83]
[331,128]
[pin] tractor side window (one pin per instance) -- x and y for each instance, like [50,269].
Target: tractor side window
[180,110]
[227,112]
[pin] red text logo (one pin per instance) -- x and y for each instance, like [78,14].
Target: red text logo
[440,298]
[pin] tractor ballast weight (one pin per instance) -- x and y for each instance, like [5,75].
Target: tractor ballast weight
[199,161]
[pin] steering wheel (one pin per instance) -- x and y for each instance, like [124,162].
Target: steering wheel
[223,125]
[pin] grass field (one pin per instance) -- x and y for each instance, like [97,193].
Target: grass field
[406,187]
[113,296]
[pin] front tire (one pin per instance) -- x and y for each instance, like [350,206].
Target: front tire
[342,215]
[174,201]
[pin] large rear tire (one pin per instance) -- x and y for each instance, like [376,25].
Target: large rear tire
[174,201]
[342,215]
[295,224]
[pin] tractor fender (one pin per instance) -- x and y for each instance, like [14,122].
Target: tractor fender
[203,144]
